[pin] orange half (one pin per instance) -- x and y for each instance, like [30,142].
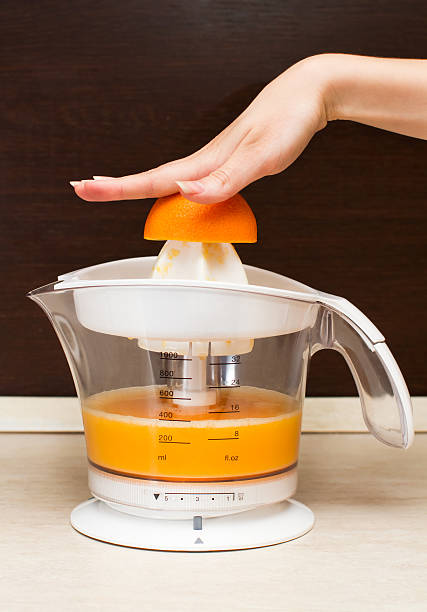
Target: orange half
[176,218]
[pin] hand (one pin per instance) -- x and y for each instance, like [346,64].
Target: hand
[265,139]
[276,127]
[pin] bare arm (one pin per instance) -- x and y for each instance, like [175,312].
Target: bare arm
[386,93]
[276,127]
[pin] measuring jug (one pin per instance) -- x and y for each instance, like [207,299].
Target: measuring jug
[191,395]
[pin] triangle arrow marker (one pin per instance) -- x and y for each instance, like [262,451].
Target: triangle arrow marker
[156,495]
[198,541]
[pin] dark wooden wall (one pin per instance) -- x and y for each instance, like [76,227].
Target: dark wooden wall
[114,87]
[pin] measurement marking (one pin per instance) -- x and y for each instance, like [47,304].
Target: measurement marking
[225,387]
[235,438]
[200,494]
[176,359]
[225,363]
[165,442]
[223,411]
[177,377]
[176,420]
[176,398]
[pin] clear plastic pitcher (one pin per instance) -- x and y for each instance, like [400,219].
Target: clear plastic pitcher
[192,392]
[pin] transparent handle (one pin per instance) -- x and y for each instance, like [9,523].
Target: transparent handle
[384,396]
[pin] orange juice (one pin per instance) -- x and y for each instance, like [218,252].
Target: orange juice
[247,433]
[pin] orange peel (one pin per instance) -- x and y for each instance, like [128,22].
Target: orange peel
[174,217]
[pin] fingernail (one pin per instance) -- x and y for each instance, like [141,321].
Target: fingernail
[188,187]
[102,178]
[74,183]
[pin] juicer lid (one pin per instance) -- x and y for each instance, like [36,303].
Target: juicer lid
[137,272]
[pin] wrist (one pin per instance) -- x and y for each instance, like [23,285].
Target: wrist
[350,85]
[323,72]
[339,90]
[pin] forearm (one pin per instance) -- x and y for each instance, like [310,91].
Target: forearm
[386,93]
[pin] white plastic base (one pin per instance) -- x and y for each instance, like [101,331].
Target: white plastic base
[264,526]
[183,500]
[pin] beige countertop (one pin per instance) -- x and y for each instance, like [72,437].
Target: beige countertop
[367,551]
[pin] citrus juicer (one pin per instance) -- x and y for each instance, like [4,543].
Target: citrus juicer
[191,371]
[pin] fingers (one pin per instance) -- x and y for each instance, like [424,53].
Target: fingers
[161,181]
[151,184]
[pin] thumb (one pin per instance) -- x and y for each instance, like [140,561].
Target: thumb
[245,165]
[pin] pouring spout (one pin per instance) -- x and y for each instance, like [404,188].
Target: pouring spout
[35,294]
